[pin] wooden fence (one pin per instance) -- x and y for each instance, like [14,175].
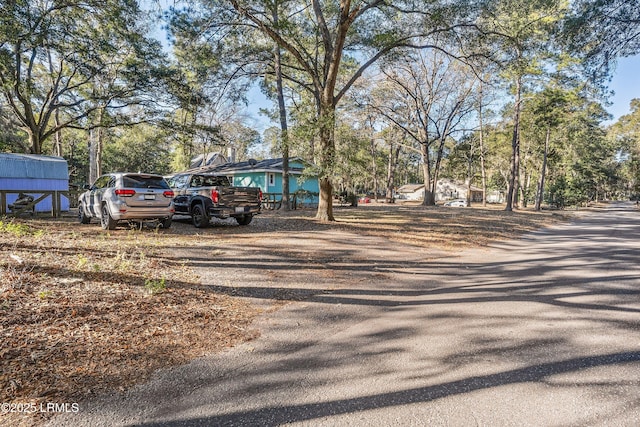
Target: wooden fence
[29,208]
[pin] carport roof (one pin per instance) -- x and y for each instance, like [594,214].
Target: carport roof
[15,165]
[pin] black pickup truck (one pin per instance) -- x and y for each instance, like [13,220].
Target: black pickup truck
[204,196]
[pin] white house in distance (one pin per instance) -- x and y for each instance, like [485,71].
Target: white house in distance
[446,189]
[411,192]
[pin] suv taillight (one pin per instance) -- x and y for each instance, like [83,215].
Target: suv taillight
[169,194]
[215,196]
[125,192]
[259,195]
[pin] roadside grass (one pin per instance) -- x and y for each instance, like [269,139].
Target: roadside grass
[448,228]
[85,311]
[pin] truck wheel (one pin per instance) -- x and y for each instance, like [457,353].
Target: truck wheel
[199,217]
[244,219]
[166,223]
[106,221]
[82,217]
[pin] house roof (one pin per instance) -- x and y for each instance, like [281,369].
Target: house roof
[410,188]
[267,165]
[208,159]
[456,184]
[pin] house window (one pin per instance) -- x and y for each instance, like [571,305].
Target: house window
[272,179]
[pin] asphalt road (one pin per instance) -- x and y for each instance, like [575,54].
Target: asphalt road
[540,331]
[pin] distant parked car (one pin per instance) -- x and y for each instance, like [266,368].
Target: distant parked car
[457,203]
[130,197]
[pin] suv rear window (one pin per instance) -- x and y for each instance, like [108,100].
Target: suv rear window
[144,181]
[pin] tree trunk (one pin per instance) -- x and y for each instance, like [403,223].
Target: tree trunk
[284,131]
[57,143]
[426,174]
[512,191]
[325,204]
[94,173]
[436,170]
[524,188]
[35,142]
[374,166]
[326,158]
[470,173]
[483,172]
[95,148]
[394,154]
[543,171]
[439,156]
[286,204]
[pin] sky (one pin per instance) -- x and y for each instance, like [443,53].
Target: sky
[626,85]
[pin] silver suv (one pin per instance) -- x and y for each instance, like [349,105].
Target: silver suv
[131,197]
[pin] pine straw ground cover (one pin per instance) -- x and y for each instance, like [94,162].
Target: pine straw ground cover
[83,311]
[445,227]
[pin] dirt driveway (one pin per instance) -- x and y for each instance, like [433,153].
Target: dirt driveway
[109,308]
[542,330]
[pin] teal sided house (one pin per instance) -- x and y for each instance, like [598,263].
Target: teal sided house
[267,174]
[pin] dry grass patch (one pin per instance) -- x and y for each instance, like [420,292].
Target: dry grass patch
[84,311]
[425,226]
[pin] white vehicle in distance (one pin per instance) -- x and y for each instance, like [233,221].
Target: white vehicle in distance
[127,197]
[457,203]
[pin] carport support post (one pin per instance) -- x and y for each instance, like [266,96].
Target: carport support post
[55,204]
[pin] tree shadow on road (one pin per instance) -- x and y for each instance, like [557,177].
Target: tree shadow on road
[274,416]
[575,285]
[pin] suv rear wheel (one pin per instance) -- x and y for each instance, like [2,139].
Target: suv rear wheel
[82,217]
[106,221]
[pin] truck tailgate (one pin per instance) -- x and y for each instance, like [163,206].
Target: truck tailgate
[238,196]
